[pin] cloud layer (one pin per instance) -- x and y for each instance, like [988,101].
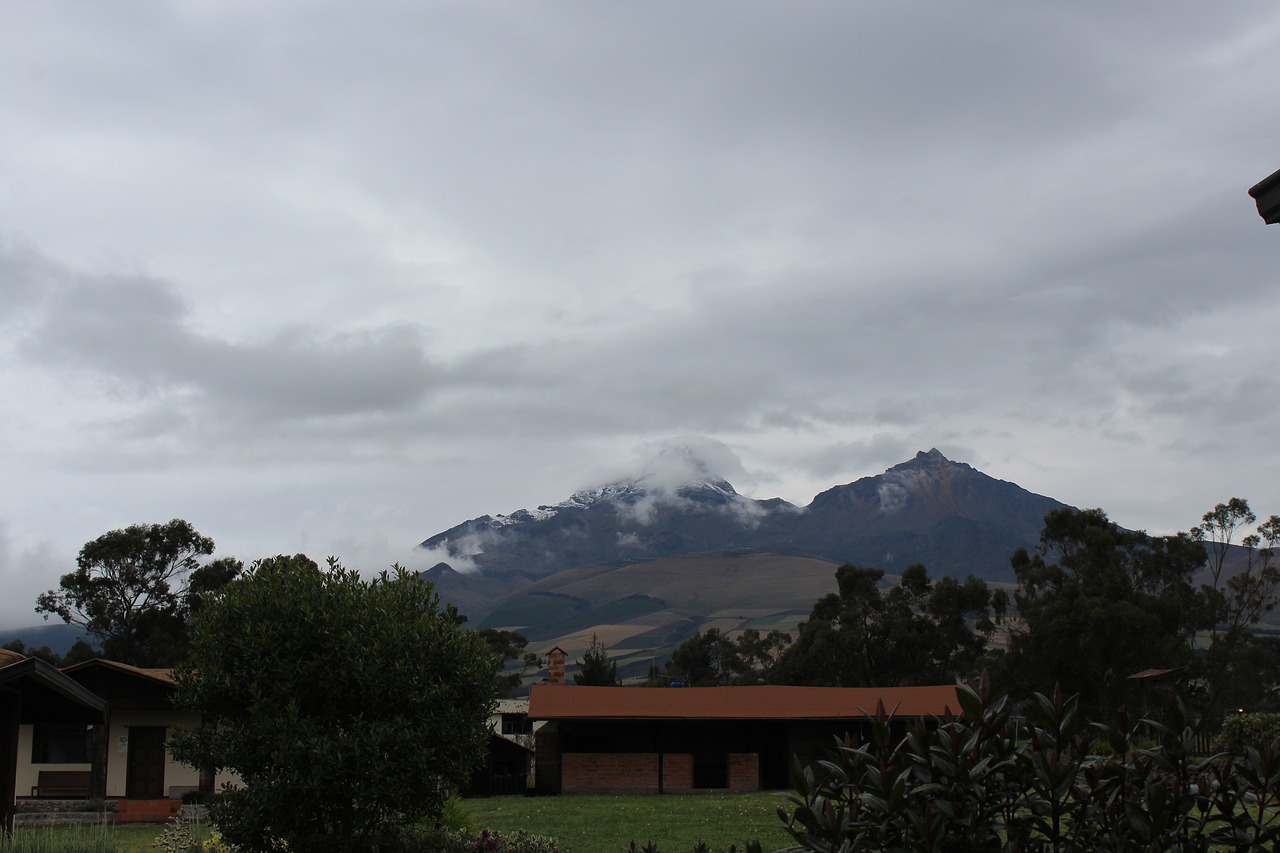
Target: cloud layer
[327,278]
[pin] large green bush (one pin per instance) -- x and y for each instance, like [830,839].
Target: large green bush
[348,708]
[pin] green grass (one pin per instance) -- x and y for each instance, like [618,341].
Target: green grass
[74,839]
[580,824]
[89,838]
[603,824]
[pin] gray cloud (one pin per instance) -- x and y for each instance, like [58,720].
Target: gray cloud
[338,277]
[134,331]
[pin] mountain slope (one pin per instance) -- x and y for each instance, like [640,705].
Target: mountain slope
[948,515]
[646,563]
[623,521]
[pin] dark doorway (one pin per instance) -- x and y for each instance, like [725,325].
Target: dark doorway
[145,779]
[711,770]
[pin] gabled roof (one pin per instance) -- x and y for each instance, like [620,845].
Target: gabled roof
[46,684]
[505,742]
[158,675]
[765,702]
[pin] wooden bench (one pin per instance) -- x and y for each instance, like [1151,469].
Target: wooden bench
[62,784]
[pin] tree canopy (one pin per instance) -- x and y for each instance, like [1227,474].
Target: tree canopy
[79,652]
[711,659]
[346,707]
[596,668]
[1098,603]
[509,647]
[919,632]
[1238,667]
[135,589]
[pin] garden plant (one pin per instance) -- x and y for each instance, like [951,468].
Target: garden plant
[988,780]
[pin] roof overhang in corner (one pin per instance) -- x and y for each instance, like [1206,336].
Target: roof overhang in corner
[34,672]
[1267,194]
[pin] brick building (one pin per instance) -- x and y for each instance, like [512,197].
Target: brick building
[638,740]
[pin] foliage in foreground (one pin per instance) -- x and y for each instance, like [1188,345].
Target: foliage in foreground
[348,708]
[986,781]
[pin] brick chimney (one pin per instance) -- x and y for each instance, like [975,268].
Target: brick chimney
[555,665]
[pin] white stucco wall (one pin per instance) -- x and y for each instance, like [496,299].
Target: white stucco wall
[176,776]
[28,773]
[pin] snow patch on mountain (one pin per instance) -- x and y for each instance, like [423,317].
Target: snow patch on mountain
[684,474]
[893,497]
[521,516]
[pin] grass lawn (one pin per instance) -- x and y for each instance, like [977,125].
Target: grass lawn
[126,839]
[139,839]
[602,824]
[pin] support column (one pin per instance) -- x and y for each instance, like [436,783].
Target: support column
[98,768]
[10,713]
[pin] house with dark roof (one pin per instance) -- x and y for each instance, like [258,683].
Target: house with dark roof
[680,739]
[32,691]
[119,755]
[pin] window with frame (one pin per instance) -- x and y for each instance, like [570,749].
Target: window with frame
[61,743]
[516,724]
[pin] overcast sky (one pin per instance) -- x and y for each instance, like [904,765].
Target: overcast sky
[333,277]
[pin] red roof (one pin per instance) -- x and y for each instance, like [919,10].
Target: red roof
[765,702]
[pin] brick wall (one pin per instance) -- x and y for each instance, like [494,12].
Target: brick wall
[637,772]
[609,773]
[555,666]
[677,773]
[744,771]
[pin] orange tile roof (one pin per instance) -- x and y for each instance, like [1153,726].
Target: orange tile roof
[7,657]
[767,702]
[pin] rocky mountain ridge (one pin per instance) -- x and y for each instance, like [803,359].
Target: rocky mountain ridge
[647,562]
[929,509]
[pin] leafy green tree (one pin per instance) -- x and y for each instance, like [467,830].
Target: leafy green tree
[134,590]
[509,646]
[1098,603]
[759,654]
[348,708]
[707,659]
[596,668]
[80,652]
[711,659]
[1238,599]
[1238,668]
[919,632]
[43,653]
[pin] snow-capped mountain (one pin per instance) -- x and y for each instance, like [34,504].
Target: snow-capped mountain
[629,520]
[929,509]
